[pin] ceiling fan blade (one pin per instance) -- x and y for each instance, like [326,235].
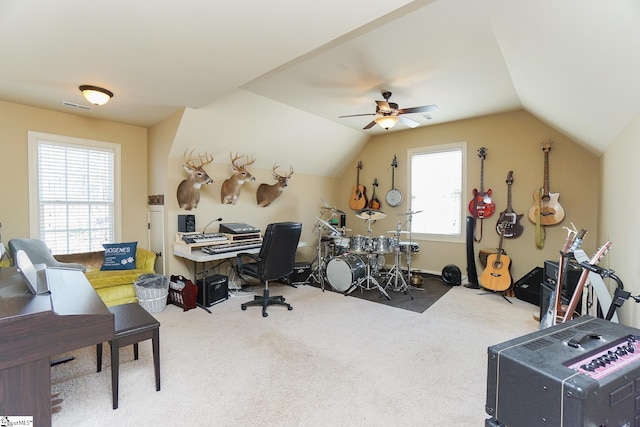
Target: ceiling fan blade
[383,106]
[357,115]
[370,125]
[423,109]
[408,122]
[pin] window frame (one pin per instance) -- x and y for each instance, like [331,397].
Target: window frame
[432,149]
[34,139]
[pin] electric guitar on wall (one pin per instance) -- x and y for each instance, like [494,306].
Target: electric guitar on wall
[496,276]
[481,206]
[510,219]
[546,209]
[374,203]
[358,198]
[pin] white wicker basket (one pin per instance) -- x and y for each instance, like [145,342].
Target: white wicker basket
[152,299]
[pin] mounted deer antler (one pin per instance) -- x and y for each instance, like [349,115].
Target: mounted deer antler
[266,193]
[189,189]
[230,189]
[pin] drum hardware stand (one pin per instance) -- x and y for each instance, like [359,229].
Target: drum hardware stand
[409,252]
[318,273]
[395,274]
[369,279]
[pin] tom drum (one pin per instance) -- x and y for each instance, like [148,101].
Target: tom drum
[359,244]
[344,270]
[383,245]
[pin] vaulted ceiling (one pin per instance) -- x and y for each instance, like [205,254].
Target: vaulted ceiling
[273,77]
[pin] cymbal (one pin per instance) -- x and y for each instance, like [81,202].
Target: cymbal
[409,213]
[329,226]
[336,210]
[370,214]
[395,231]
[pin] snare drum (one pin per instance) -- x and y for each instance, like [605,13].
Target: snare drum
[383,245]
[405,247]
[359,244]
[345,270]
[340,246]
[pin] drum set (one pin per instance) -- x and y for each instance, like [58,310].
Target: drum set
[358,261]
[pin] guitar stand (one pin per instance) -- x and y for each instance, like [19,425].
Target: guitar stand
[487,292]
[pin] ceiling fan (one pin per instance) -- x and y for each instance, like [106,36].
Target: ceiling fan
[389,114]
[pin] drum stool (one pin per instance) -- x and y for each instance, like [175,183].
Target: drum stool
[132,325]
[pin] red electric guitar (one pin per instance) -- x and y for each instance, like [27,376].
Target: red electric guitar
[481,206]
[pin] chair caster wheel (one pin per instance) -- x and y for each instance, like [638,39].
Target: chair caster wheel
[289,308]
[265,314]
[243,307]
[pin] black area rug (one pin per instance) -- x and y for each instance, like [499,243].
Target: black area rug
[423,297]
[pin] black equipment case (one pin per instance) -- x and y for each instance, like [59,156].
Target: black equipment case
[539,380]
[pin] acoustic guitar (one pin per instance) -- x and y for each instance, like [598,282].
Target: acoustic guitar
[546,209]
[358,200]
[510,219]
[374,203]
[496,276]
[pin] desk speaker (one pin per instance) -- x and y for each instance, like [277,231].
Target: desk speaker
[186,223]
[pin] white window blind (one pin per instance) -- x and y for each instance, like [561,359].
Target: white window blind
[75,195]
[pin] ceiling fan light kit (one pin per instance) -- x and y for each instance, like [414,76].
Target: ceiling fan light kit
[96,95]
[388,114]
[387,122]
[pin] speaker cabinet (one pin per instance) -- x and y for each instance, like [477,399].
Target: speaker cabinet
[527,288]
[213,289]
[186,223]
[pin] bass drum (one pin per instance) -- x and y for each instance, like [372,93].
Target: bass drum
[344,270]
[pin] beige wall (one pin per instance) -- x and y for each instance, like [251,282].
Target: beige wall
[301,201]
[513,143]
[16,120]
[619,206]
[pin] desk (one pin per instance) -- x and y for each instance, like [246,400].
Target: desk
[199,257]
[35,327]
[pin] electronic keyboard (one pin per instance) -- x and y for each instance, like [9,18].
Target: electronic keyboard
[220,249]
[204,238]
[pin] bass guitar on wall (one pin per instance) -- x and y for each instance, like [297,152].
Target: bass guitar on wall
[510,219]
[481,206]
[358,198]
[546,209]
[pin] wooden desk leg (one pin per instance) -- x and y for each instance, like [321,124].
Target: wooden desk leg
[115,368]
[156,356]
[99,357]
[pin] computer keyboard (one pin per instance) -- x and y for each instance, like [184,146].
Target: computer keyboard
[204,238]
[233,247]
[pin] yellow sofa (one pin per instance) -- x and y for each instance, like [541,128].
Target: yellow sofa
[115,287]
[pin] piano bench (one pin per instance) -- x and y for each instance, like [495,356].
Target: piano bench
[133,324]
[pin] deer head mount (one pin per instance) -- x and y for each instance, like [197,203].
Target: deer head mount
[189,190]
[230,189]
[266,193]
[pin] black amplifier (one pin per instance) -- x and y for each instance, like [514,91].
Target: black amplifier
[301,273]
[216,288]
[579,373]
[571,279]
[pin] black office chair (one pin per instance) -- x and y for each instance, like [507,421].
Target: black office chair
[276,260]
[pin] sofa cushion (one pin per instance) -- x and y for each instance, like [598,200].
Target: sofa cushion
[119,256]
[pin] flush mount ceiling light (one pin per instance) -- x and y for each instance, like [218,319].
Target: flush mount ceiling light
[387,122]
[96,95]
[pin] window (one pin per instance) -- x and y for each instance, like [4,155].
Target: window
[436,186]
[73,192]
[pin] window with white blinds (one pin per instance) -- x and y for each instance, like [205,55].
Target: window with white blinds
[436,179]
[73,192]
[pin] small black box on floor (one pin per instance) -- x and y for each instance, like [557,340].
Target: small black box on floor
[301,272]
[216,289]
[528,287]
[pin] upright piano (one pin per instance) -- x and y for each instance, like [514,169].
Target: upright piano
[33,328]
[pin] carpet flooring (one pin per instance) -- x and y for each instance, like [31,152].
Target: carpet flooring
[431,290]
